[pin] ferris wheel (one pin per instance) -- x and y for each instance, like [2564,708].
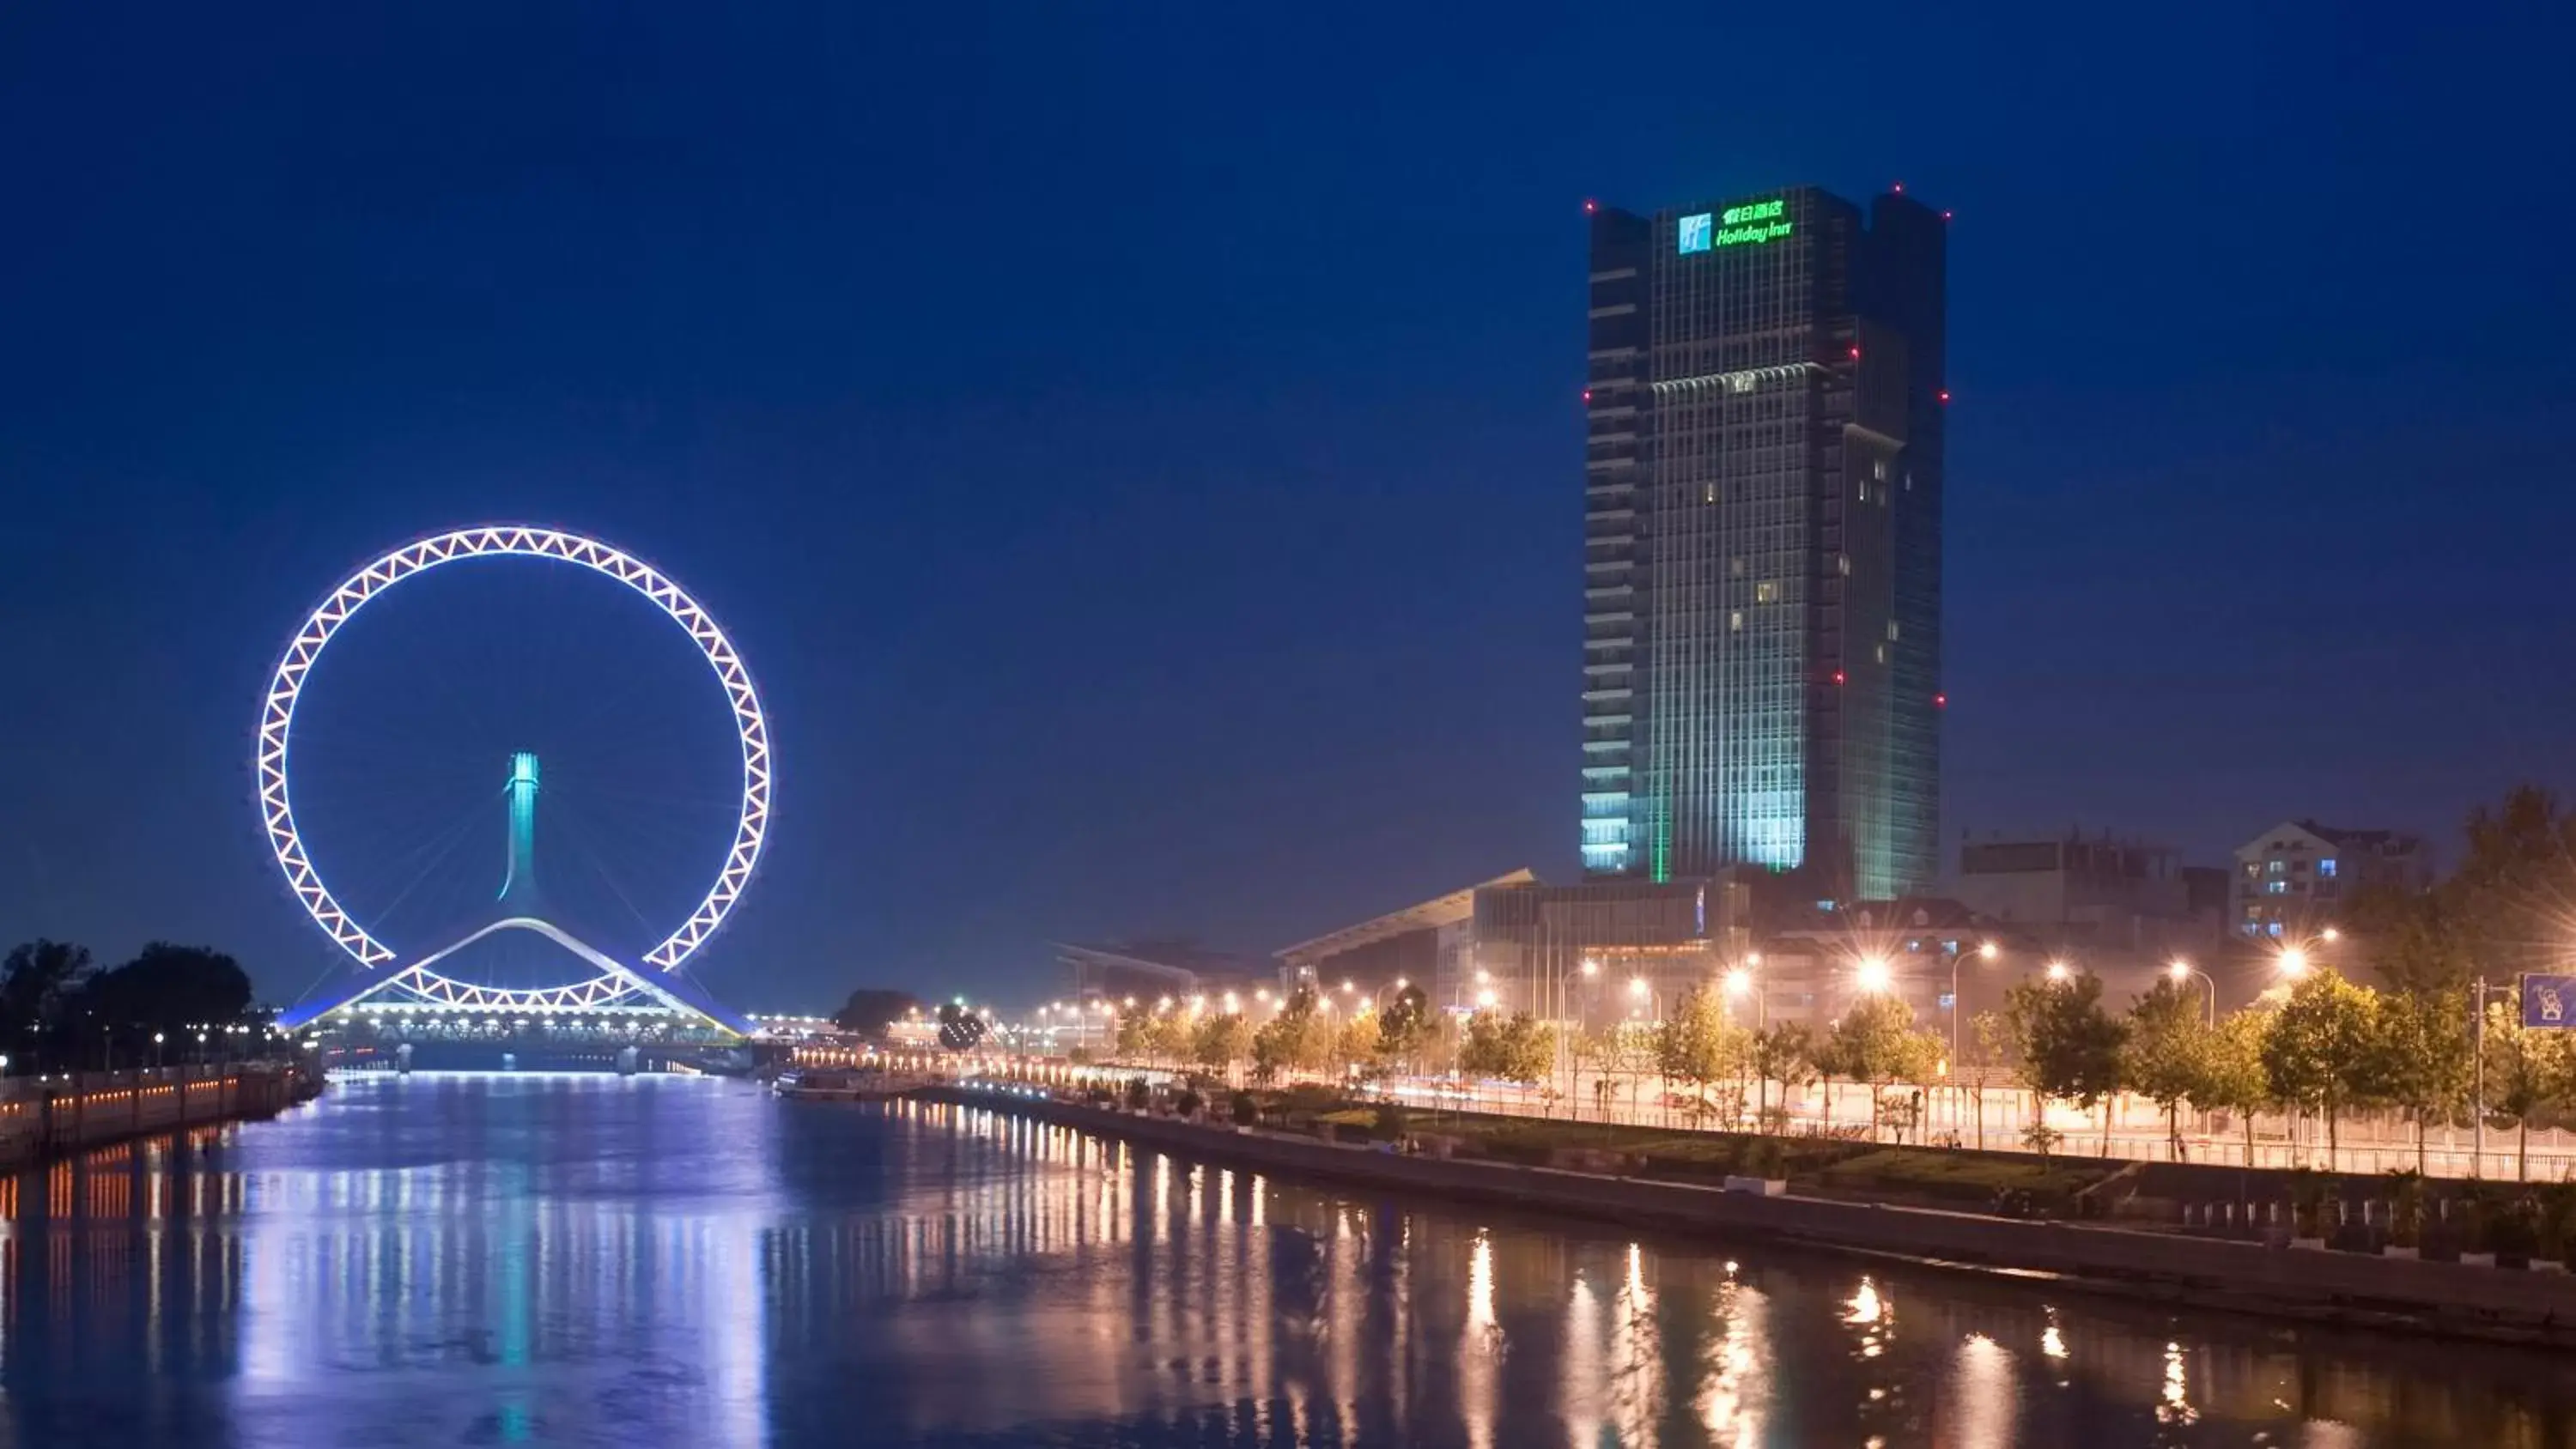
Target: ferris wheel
[437,973]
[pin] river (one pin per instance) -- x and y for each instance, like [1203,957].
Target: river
[684,1262]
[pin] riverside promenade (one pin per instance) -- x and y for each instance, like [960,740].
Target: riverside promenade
[2488,1303]
[43,1116]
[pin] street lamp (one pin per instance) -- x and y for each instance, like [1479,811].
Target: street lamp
[2182,971]
[2058,971]
[1989,951]
[1591,965]
[2294,962]
[1872,975]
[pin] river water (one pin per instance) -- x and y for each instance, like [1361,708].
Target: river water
[687,1263]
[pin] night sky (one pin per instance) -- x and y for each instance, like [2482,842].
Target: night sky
[1137,448]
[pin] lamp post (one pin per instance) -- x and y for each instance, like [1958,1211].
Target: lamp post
[2478,990]
[2182,971]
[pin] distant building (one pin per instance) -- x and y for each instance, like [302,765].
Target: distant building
[1407,946]
[2298,877]
[1602,949]
[1150,970]
[2090,897]
[1763,479]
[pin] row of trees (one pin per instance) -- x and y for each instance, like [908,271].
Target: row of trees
[59,1009]
[1302,1036]
[2330,1046]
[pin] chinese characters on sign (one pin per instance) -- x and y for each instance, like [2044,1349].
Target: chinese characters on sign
[1755,221]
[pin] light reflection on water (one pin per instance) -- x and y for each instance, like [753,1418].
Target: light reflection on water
[669,1261]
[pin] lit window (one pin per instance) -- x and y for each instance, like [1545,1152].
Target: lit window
[2326,866]
[2276,867]
[1882,653]
[1878,469]
[1842,564]
[2273,929]
[1735,621]
[1766,592]
[1891,631]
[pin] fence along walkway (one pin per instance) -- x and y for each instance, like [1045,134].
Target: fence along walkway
[40,1115]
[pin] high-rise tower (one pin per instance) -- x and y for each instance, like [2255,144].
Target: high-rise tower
[1762,541]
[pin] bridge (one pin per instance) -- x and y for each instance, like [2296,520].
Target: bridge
[430,1012]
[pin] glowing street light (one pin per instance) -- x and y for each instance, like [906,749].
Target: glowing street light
[1591,965]
[1637,987]
[2058,971]
[2330,935]
[1485,997]
[2182,971]
[1989,951]
[2294,962]
[1872,975]
[1738,981]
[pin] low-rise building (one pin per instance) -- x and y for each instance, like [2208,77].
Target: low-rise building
[2097,899]
[2296,879]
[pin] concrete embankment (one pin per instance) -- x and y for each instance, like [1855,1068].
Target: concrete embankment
[42,1117]
[2503,1304]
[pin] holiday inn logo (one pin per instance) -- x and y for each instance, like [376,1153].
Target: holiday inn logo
[1751,223]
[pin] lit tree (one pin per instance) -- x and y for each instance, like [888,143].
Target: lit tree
[2070,1046]
[1784,1053]
[1876,1042]
[2319,1049]
[1405,1028]
[1515,1048]
[2422,1058]
[1699,1044]
[1221,1040]
[2232,1078]
[2166,1055]
[1990,1052]
[2525,1070]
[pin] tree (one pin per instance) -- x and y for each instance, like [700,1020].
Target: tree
[1220,1040]
[1990,1052]
[1135,1034]
[2524,1071]
[1297,1039]
[1785,1053]
[1514,1048]
[2421,1057]
[169,989]
[1700,1044]
[2166,1055]
[2231,1069]
[1405,1028]
[2070,1045]
[1355,1044]
[35,983]
[1876,1042]
[868,1009]
[2318,1051]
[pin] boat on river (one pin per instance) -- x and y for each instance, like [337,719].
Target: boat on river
[839,1085]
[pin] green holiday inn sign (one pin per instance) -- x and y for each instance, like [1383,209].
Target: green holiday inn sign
[1755,221]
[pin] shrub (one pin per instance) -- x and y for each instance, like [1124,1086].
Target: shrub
[1138,1093]
[1244,1108]
[1188,1102]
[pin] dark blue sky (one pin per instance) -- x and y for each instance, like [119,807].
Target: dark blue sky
[1139,453]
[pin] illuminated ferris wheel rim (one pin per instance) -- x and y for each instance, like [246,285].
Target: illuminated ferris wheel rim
[277,718]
